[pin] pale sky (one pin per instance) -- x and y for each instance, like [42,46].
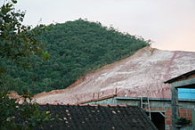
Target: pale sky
[170,24]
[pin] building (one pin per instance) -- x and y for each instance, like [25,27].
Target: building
[185,81]
[90,117]
[136,81]
[160,110]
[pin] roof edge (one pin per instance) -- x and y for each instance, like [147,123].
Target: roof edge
[180,76]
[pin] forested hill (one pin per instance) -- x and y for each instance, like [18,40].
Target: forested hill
[76,48]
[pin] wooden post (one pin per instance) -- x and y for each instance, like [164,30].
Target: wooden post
[175,107]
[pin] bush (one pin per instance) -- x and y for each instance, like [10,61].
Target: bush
[23,117]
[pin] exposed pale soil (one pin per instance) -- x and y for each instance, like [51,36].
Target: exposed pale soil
[139,75]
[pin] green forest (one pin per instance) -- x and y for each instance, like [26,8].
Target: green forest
[72,49]
[44,58]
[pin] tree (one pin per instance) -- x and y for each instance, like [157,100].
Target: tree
[16,40]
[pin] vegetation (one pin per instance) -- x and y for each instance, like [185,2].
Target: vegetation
[21,117]
[76,48]
[183,121]
[16,40]
[17,46]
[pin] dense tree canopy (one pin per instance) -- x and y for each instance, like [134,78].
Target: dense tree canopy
[16,40]
[17,43]
[76,48]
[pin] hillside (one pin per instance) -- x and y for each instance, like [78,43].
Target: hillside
[76,48]
[142,75]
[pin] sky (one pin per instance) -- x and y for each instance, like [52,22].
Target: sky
[170,24]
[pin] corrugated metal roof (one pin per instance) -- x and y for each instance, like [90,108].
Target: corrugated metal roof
[87,117]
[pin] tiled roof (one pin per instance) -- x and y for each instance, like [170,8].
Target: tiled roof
[89,117]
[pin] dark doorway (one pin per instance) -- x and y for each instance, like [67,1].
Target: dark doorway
[158,120]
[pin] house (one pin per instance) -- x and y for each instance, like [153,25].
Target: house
[184,81]
[96,117]
[136,81]
[165,112]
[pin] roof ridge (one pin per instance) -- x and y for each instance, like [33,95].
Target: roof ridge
[91,105]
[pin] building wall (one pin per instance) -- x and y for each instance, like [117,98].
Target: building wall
[163,106]
[185,113]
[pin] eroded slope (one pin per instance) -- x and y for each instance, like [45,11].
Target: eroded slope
[142,74]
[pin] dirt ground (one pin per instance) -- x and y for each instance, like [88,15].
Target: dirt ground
[142,74]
